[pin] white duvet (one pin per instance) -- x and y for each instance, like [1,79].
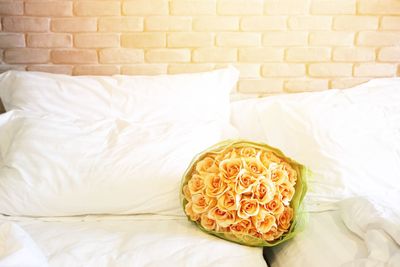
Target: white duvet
[377,223]
[119,241]
[363,232]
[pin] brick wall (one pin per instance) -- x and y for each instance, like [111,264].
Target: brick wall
[278,45]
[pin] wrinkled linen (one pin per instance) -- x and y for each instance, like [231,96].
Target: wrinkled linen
[377,223]
[134,241]
[17,249]
[363,232]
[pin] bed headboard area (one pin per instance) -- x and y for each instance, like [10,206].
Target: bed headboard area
[278,45]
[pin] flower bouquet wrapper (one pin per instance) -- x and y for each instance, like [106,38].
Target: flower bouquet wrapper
[245,192]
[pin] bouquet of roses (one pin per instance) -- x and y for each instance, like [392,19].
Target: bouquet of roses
[245,192]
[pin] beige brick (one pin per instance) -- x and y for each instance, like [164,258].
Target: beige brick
[355,23]
[121,24]
[238,39]
[59,69]
[49,40]
[333,7]
[310,22]
[184,40]
[306,54]
[98,40]
[248,70]
[73,56]
[390,23]
[346,83]
[215,55]
[260,86]
[144,69]
[97,8]
[95,70]
[75,24]
[168,23]
[11,8]
[353,54]
[189,68]
[10,40]
[214,23]
[295,86]
[331,38]
[286,7]
[264,23]
[389,54]
[283,70]
[240,7]
[261,54]
[121,55]
[145,7]
[374,38]
[5,67]
[330,69]
[168,55]
[193,7]
[26,55]
[49,8]
[384,7]
[25,24]
[374,70]
[140,40]
[285,38]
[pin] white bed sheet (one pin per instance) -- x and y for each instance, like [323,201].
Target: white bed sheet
[326,241]
[143,240]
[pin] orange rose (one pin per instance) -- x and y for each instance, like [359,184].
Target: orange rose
[264,191]
[226,154]
[189,211]
[186,193]
[202,203]
[272,234]
[286,191]
[278,176]
[223,218]
[248,207]
[196,184]
[284,219]
[214,185]
[240,227]
[268,157]
[292,174]
[229,201]
[207,165]
[254,167]
[244,183]
[275,206]
[253,232]
[263,221]
[208,223]
[230,168]
[247,152]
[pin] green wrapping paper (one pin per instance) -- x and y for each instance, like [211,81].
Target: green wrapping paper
[242,191]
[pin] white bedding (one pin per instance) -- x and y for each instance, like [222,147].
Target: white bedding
[142,240]
[364,232]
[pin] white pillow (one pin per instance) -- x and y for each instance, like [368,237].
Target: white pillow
[349,138]
[61,157]
[183,97]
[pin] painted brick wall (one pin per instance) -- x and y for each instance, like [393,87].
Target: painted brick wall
[278,45]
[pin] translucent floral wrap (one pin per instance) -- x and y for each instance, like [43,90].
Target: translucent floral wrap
[245,192]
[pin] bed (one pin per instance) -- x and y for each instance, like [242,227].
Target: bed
[71,150]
